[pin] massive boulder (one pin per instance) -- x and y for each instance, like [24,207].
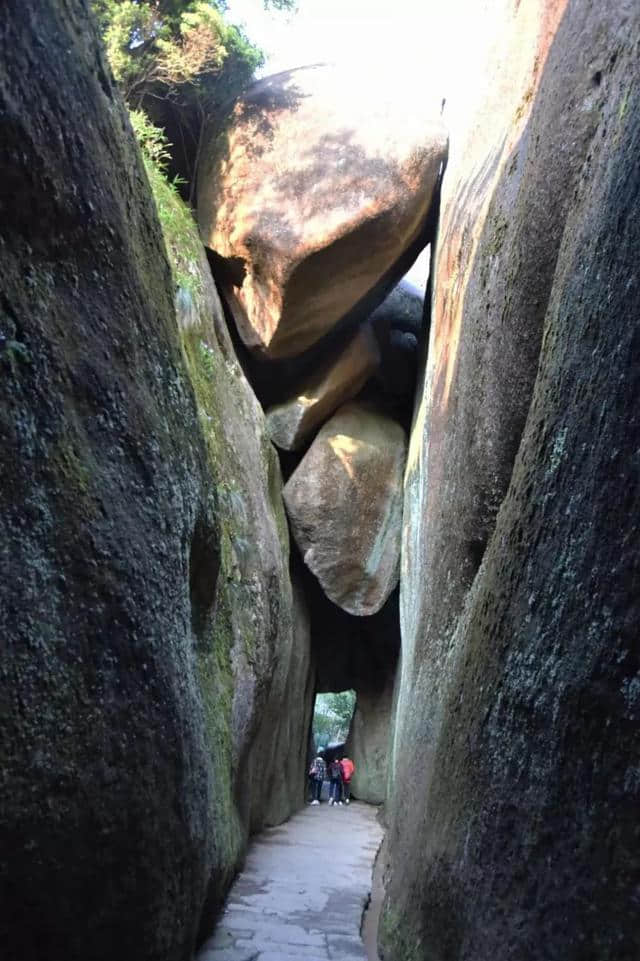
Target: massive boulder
[344,502]
[269,674]
[292,422]
[512,832]
[370,740]
[315,198]
[144,557]
[401,310]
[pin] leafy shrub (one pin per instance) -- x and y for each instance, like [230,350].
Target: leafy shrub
[182,54]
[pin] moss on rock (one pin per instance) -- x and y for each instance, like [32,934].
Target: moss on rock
[145,599]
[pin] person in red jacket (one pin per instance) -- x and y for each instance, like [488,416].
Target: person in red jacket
[347,767]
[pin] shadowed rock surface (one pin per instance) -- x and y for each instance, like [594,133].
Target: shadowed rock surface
[359,653]
[344,505]
[315,168]
[513,835]
[145,600]
[369,740]
[401,310]
[278,759]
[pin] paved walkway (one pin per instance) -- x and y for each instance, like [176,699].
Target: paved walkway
[303,890]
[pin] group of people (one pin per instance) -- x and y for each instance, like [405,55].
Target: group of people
[340,772]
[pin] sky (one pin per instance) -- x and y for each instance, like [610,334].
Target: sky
[387,32]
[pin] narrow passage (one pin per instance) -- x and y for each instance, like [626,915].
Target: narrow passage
[303,890]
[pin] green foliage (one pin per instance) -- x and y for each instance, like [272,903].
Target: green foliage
[151,139]
[332,717]
[165,46]
[178,228]
[180,53]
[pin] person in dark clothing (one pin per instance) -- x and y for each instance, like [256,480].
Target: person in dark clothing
[317,773]
[335,777]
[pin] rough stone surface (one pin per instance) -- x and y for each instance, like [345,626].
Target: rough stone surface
[401,310]
[303,890]
[369,741]
[270,694]
[291,423]
[344,505]
[142,575]
[315,194]
[400,327]
[514,835]
[278,758]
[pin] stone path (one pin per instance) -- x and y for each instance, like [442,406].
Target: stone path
[302,892]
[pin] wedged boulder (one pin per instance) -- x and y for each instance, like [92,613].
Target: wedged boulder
[402,309]
[344,502]
[316,196]
[291,423]
[399,321]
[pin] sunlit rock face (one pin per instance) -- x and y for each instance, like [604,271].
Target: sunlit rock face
[315,195]
[344,502]
[510,821]
[291,423]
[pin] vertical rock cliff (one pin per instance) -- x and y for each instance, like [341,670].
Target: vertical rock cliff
[514,772]
[146,609]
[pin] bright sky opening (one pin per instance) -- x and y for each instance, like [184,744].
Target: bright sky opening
[383,35]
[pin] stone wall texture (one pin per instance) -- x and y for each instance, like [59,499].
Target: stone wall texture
[514,773]
[368,742]
[146,609]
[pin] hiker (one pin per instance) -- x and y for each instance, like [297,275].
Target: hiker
[317,773]
[347,767]
[335,777]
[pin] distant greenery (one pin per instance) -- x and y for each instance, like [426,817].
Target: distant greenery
[174,48]
[183,52]
[332,717]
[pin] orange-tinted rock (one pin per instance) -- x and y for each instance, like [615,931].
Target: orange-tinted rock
[344,502]
[289,424]
[313,194]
